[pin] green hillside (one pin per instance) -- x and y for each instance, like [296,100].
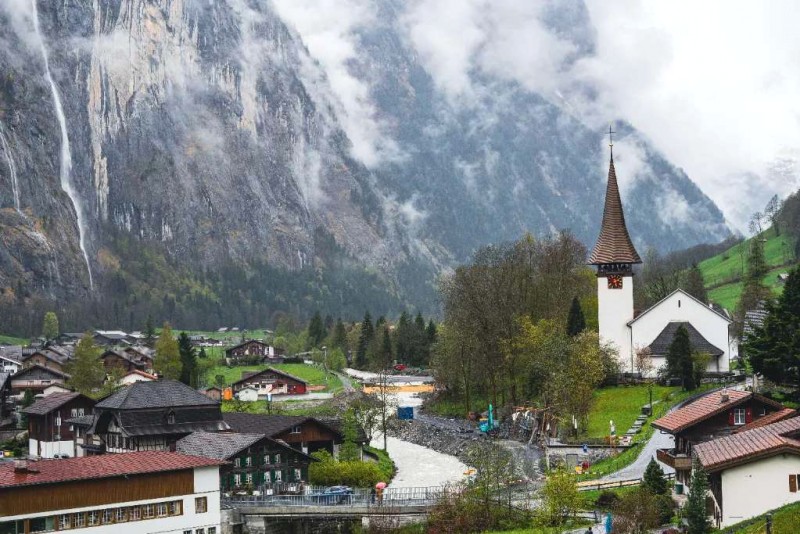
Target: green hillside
[724,272]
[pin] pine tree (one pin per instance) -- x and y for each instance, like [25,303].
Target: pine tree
[339,336]
[50,328]
[679,359]
[695,509]
[149,331]
[316,331]
[403,341]
[188,360]
[576,322]
[695,285]
[386,347]
[430,333]
[167,362]
[364,339]
[86,370]
[774,348]
[653,480]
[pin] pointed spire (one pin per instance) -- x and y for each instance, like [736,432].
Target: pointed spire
[614,244]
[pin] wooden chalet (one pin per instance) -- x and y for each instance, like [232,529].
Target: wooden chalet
[254,349]
[255,462]
[121,360]
[717,414]
[49,434]
[36,378]
[46,357]
[271,380]
[152,416]
[110,338]
[305,434]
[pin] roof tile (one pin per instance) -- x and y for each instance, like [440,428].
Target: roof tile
[614,244]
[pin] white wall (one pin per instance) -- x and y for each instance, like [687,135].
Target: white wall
[614,311]
[206,484]
[753,489]
[51,448]
[681,307]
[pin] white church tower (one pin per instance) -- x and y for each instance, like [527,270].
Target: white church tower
[614,256]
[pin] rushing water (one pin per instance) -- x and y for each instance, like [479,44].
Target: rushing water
[12,168]
[66,154]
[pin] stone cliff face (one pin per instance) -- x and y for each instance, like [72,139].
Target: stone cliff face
[204,133]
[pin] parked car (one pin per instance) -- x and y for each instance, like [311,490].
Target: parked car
[333,495]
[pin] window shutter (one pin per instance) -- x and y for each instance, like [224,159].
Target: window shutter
[793,483]
[730,418]
[748,414]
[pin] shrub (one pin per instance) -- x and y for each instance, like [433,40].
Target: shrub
[666,508]
[329,472]
[607,500]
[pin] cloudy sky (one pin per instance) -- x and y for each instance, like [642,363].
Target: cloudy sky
[713,84]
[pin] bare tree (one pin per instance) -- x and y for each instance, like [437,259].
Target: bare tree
[644,361]
[771,211]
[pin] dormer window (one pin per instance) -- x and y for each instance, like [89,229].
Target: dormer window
[295,429]
[171,418]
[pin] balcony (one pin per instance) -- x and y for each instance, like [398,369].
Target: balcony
[678,461]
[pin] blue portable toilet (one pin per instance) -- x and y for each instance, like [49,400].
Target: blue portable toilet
[405,412]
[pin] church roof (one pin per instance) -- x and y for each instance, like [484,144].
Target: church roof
[660,345]
[614,244]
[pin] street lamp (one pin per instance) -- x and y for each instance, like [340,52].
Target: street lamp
[325,362]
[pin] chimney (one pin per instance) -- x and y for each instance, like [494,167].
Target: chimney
[723,396]
[24,465]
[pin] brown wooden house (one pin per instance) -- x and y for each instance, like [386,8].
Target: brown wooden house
[255,462]
[272,380]
[51,359]
[50,436]
[253,349]
[36,378]
[305,434]
[121,360]
[717,414]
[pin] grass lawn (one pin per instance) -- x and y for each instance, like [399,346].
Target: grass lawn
[728,295]
[785,520]
[622,405]
[450,406]
[314,375]
[10,340]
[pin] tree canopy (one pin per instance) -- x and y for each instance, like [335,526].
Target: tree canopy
[50,328]
[87,374]
[167,361]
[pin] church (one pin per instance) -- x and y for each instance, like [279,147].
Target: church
[614,256]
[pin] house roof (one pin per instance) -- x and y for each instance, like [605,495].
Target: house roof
[242,344]
[774,417]
[103,466]
[706,407]
[687,295]
[37,367]
[51,402]
[745,447]
[141,373]
[156,394]
[81,420]
[270,425]
[53,356]
[111,334]
[660,345]
[270,370]
[614,244]
[223,445]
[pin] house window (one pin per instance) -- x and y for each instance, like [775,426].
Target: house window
[79,520]
[135,513]
[42,524]
[201,505]
[793,483]
[278,476]
[162,510]
[171,418]
[200,531]
[249,478]
[64,522]
[175,508]
[763,411]
[266,459]
[212,530]
[237,462]
[74,412]
[92,518]
[277,458]
[120,515]
[738,416]
[237,479]
[248,461]
[149,511]
[298,475]
[80,412]
[296,429]
[108,516]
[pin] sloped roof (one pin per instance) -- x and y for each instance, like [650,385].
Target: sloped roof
[81,420]
[103,466]
[660,345]
[37,367]
[243,343]
[51,402]
[221,446]
[247,376]
[270,425]
[774,417]
[614,244]
[744,447]
[687,295]
[706,407]
[156,394]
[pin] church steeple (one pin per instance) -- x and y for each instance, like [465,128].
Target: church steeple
[614,245]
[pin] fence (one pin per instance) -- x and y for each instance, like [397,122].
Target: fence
[419,496]
[611,484]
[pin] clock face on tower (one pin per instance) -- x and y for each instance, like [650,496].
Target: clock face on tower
[614,281]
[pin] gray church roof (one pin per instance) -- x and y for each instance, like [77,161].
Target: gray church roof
[155,394]
[660,345]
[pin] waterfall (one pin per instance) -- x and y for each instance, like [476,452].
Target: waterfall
[66,155]
[12,168]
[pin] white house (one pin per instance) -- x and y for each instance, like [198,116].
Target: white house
[248,394]
[136,376]
[153,491]
[614,256]
[753,471]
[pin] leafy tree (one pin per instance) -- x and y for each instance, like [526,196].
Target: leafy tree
[636,513]
[364,339]
[576,323]
[50,328]
[695,509]
[653,480]
[774,348]
[695,285]
[167,361]
[202,354]
[680,362]
[560,497]
[316,331]
[348,452]
[86,370]
[336,360]
[188,360]
[219,381]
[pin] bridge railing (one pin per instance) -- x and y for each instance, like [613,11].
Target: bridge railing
[417,496]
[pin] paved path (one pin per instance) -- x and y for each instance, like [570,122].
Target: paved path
[347,384]
[419,466]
